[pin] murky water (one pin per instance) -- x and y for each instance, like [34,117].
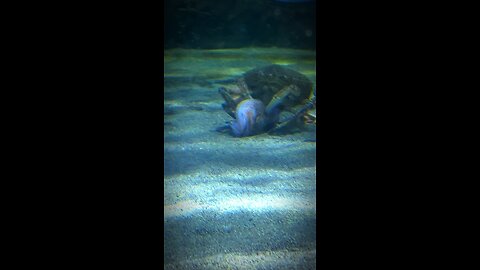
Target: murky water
[233,203]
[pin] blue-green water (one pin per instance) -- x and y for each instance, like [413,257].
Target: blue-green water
[233,203]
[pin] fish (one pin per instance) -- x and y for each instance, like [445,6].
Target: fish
[250,118]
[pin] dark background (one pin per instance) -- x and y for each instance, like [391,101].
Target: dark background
[207,24]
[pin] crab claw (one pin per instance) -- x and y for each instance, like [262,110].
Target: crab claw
[249,118]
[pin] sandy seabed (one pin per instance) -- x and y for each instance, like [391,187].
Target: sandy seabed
[233,203]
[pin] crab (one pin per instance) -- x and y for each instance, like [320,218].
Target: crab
[287,97]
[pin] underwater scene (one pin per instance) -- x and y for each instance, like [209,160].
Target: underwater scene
[239,134]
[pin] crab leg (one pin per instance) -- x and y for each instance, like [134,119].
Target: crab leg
[230,102]
[305,108]
[244,91]
[301,111]
[280,97]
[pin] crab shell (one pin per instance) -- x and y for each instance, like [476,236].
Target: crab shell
[310,116]
[265,82]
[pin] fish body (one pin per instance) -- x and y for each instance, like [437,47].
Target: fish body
[250,118]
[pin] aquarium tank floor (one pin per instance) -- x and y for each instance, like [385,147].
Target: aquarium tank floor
[233,203]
